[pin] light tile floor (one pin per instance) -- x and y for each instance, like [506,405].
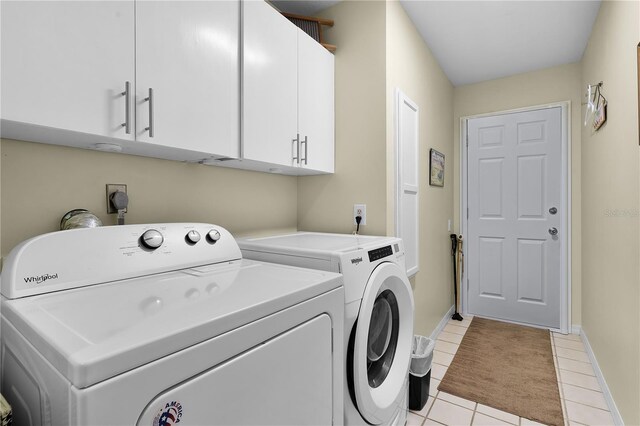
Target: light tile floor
[580,393]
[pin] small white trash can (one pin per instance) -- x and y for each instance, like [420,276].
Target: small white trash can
[420,371]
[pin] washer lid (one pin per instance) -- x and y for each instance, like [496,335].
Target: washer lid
[93,333]
[313,244]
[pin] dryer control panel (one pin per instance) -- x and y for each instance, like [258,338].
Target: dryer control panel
[380,253]
[79,257]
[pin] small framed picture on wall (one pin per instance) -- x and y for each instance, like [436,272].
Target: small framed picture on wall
[436,168]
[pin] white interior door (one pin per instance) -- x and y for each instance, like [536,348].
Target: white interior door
[515,218]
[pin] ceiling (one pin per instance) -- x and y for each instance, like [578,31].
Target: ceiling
[482,40]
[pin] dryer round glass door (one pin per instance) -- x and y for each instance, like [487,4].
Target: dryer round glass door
[382,344]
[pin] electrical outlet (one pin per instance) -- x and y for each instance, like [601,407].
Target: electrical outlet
[360,210]
[111,188]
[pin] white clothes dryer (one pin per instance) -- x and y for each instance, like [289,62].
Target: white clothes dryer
[167,324]
[378,314]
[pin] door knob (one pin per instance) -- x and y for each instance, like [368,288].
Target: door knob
[553,210]
[553,231]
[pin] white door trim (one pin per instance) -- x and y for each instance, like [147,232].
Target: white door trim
[565,294]
[407,221]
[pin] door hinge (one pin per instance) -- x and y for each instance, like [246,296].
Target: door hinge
[467,212]
[331,339]
[467,284]
[467,136]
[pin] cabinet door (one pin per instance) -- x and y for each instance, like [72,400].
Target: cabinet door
[65,64]
[270,100]
[187,53]
[315,104]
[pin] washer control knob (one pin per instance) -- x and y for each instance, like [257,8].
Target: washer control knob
[213,236]
[193,237]
[152,239]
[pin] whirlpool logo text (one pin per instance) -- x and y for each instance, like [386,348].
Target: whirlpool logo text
[40,279]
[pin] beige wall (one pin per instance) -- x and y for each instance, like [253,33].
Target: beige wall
[550,85]
[379,49]
[42,182]
[325,203]
[412,68]
[610,205]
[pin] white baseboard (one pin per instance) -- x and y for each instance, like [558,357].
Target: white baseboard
[576,328]
[617,418]
[443,323]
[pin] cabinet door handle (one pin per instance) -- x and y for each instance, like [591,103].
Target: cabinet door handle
[127,106]
[150,100]
[306,150]
[296,148]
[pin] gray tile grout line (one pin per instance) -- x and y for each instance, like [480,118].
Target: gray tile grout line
[580,387]
[563,339]
[577,386]
[565,411]
[449,341]
[563,405]
[590,406]
[426,416]
[564,336]
[473,415]
[571,359]
[582,424]
[573,349]
[577,372]
[454,326]
[446,353]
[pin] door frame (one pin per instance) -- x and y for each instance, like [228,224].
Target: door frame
[401,214]
[565,290]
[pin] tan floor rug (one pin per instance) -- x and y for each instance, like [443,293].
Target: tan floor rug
[508,367]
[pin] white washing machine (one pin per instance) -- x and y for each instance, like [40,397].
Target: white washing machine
[378,314]
[167,324]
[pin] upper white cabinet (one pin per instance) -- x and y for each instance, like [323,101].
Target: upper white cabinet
[187,58]
[288,94]
[315,104]
[270,85]
[165,79]
[161,77]
[65,64]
